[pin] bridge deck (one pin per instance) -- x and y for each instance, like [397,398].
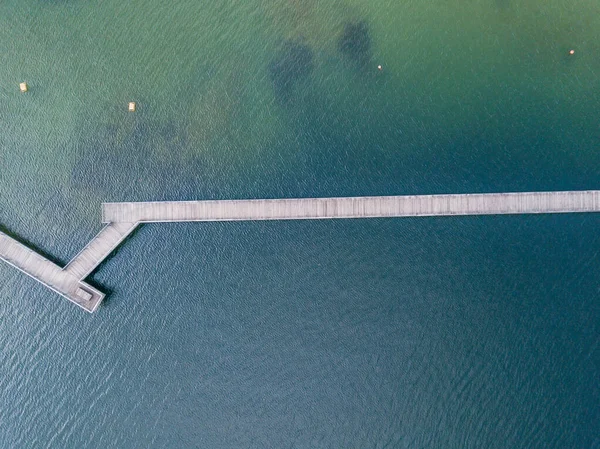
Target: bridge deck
[354,207]
[49,274]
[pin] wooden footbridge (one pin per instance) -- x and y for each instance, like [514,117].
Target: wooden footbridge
[122,218]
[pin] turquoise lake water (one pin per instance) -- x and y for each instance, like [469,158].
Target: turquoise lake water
[473,332]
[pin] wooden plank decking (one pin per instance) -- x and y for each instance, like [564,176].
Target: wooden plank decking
[49,274]
[354,207]
[122,219]
[98,249]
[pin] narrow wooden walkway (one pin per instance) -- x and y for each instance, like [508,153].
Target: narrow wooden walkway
[98,249]
[122,219]
[354,207]
[49,274]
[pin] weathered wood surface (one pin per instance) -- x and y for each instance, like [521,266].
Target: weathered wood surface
[98,249]
[354,207]
[48,273]
[122,219]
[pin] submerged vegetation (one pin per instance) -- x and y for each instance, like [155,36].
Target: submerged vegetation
[128,155]
[355,42]
[293,63]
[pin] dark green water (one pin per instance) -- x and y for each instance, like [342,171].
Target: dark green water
[478,332]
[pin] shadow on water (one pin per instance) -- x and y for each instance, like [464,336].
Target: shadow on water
[108,292]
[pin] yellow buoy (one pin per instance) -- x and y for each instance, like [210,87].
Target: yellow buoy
[132,106]
[24,87]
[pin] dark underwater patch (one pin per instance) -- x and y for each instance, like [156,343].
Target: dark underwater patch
[355,42]
[97,158]
[113,158]
[293,63]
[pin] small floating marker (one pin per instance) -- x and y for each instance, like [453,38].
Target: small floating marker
[380,67]
[571,52]
[23,87]
[132,106]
